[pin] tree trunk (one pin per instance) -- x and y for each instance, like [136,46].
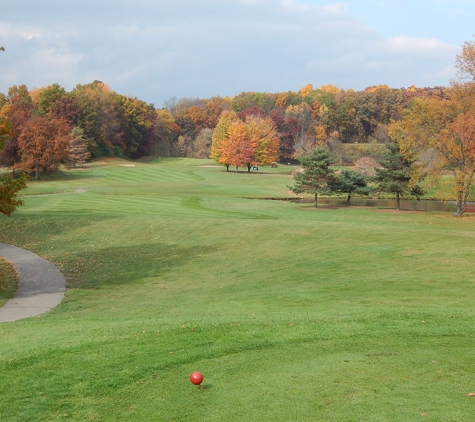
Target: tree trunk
[398,201]
[316,200]
[460,205]
[348,199]
[460,209]
[237,169]
[37,174]
[249,167]
[227,167]
[460,196]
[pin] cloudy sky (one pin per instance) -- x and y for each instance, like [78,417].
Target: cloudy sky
[156,49]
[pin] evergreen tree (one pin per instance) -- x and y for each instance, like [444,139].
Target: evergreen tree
[350,182]
[77,149]
[316,174]
[398,175]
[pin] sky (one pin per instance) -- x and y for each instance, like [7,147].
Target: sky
[158,49]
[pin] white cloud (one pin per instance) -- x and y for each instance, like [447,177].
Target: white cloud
[413,46]
[156,49]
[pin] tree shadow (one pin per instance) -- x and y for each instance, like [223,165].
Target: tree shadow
[121,265]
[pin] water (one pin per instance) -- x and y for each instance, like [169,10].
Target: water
[405,204]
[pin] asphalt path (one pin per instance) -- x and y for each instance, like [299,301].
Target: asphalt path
[41,285]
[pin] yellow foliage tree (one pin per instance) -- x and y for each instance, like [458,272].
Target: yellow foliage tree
[440,133]
[281,101]
[330,88]
[465,62]
[320,136]
[306,89]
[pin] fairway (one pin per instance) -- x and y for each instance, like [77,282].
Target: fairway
[291,313]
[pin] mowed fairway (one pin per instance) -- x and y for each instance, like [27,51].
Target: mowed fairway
[291,313]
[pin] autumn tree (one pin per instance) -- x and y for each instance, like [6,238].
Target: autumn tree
[465,61]
[236,149]
[9,186]
[15,113]
[6,131]
[167,132]
[66,108]
[441,134]
[43,145]
[220,134]
[77,152]
[253,142]
[306,89]
[398,175]
[288,130]
[316,173]
[191,120]
[214,107]
[264,140]
[202,144]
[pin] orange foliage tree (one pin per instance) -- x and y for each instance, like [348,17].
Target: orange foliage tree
[43,145]
[244,144]
[220,134]
[237,149]
[440,133]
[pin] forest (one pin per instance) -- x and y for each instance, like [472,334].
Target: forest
[93,121]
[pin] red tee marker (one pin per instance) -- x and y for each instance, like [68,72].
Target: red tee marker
[197,378]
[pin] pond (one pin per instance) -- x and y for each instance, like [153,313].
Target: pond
[405,204]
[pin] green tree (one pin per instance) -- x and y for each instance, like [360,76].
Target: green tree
[9,188]
[49,97]
[350,182]
[316,175]
[399,175]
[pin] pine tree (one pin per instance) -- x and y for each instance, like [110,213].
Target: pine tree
[350,182]
[77,149]
[398,175]
[316,173]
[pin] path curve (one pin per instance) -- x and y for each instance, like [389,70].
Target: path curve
[41,285]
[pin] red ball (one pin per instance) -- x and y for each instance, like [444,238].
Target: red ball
[196,378]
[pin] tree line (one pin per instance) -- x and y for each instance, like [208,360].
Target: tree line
[48,126]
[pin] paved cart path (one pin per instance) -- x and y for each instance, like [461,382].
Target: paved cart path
[41,285]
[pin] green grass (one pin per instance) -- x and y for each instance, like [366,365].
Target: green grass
[291,313]
[8,281]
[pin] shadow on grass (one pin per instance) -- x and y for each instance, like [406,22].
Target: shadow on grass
[119,265]
[23,229]
[66,175]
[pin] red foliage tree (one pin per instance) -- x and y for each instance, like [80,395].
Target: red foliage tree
[43,145]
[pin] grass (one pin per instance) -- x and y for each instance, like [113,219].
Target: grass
[8,281]
[290,313]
